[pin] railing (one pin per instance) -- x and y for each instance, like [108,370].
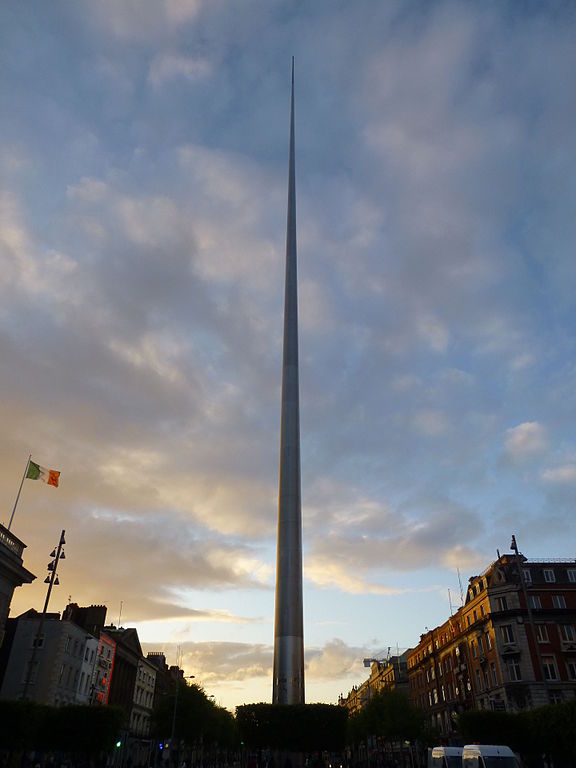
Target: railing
[11,542]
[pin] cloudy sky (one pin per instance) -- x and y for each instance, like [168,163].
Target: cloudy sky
[143,186]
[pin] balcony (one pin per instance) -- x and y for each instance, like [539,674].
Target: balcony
[10,541]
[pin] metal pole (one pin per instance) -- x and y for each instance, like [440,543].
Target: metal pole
[19,491]
[42,617]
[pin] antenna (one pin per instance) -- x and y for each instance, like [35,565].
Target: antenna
[450,602]
[461,590]
[120,614]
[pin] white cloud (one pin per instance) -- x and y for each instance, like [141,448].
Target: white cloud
[525,441]
[564,474]
[166,67]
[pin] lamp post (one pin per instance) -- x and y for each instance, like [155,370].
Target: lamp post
[52,581]
[175,752]
[531,622]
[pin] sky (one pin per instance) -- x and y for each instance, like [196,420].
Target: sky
[143,191]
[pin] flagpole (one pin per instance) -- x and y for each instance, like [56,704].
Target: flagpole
[19,491]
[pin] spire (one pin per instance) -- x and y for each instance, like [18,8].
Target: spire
[288,681]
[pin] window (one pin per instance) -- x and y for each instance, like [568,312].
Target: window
[535,601]
[513,669]
[488,641]
[478,681]
[571,573]
[542,633]
[30,673]
[482,612]
[571,667]
[527,576]
[435,695]
[474,649]
[550,670]
[501,603]
[549,575]
[493,673]
[556,697]
[38,642]
[507,633]
[475,616]
[558,601]
[567,633]
[481,645]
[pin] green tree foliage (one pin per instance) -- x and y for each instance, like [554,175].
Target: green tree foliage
[75,729]
[196,716]
[389,714]
[293,728]
[548,729]
[482,726]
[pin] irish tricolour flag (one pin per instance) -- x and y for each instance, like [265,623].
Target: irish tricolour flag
[48,476]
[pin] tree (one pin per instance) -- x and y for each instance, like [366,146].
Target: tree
[196,715]
[293,727]
[390,715]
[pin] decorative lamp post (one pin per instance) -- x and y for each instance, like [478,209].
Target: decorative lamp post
[52,581]
[175,752]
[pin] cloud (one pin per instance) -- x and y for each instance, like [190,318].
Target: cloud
[564,474]
[169,66]
[525,441]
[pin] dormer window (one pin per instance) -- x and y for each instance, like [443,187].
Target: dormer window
[549,575]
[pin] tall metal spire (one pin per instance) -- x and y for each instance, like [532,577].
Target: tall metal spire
[288,682]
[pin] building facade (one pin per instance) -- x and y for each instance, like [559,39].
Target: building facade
[386,674]
[50,661]
[511,646]
[12,572]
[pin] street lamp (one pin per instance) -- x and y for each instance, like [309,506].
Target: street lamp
[52,581]
[179,677]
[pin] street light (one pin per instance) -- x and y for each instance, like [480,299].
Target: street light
[52,581]
[180,677]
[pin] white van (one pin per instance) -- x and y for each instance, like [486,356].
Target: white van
[445,757]
[488,756]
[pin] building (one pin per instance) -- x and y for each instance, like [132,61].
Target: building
[143,701]
[12,573]
[511,646]
[132,688]
[49,661]
[103,670]
[387,674]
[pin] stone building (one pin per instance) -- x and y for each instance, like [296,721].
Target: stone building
[511,646]
[12,572]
